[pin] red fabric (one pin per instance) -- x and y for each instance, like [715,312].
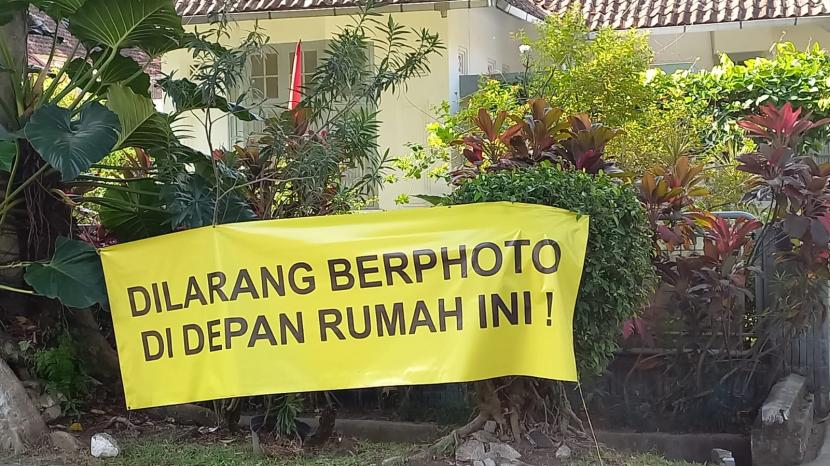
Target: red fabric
[295,93]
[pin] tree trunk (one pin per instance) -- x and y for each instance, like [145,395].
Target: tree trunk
[518,406]
[14,35]
[20,422]
[99,358]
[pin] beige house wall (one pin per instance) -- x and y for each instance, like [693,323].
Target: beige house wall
[484,32]
[485,35]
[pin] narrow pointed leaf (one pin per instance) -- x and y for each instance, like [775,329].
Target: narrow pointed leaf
[187,96]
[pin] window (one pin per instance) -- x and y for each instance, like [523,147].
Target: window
[269,85]
[491,66]
[309,65]
[462,61]
[270,81]
[270,72]
[265,75]
[670,68]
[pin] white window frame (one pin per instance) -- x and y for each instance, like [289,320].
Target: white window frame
[238,129]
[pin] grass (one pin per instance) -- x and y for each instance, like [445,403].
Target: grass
[141,452]
[612,458]
[156,450]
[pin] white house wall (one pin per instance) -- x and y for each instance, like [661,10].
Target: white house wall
[404,115]
[487,35]
[703,48]
[683,50]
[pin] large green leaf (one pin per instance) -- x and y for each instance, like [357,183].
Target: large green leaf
[59,9]
[151,25]
[126,214]
[8,149]
[187,96]
[74,276]
[119,70]
[191,203]
[70,145]
[141,125]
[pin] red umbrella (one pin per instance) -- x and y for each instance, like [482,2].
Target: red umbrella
[295,93]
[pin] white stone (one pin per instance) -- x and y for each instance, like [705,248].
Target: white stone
[722,457]
[478,463]
[490,427]
[489,462]
[563,452]
[104,446]
[484,436]
[503,450]
[471,450]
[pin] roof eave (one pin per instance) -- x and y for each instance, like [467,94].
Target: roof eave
[517,12]
[344,11]
[734,25]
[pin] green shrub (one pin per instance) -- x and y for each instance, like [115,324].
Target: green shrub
[61,369]
[598,72]
[618,276]
[732,91]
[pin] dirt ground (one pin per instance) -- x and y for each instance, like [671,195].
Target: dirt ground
[150,442]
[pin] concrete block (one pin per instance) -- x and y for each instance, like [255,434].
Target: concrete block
[784,397]
[722,457]
[782,430]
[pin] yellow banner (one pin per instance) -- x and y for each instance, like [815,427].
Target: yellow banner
[445,294]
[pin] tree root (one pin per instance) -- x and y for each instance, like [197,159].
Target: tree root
[518,406]
[449,442]
[119,420]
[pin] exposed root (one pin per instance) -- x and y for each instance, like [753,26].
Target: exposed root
[119,420]
[519,406]
[449,442]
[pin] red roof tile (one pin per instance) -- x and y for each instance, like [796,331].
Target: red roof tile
[627,14]
[211,7]
[617,14]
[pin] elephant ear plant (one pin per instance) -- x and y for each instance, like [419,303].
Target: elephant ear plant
[60,122]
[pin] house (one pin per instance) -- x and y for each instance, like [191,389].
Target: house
[691,34]
[476,33]
[685,34]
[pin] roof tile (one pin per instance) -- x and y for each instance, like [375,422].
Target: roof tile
[616,14]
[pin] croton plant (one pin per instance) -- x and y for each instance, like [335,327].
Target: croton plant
[544,134]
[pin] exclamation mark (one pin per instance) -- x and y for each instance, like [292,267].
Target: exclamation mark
[550,307]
